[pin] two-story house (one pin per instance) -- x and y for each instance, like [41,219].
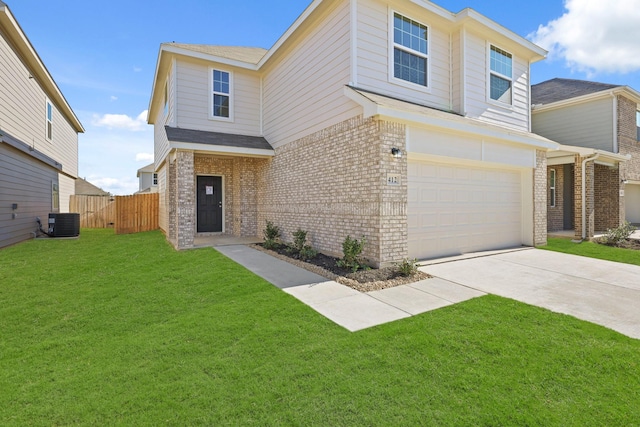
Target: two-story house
[38,137]
[600,185]
[395,120]
[147,179]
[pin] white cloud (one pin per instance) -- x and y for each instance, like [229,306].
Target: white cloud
[117,186]
[137,69]
[594,36]
[113,98]
[144,157]
[121,121]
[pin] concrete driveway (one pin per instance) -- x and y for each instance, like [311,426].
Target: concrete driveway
[602,292]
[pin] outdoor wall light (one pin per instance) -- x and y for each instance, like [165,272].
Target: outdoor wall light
[625,181]
[396,152]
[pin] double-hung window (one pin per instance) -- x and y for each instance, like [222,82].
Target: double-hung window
[500,75]
[49,113]
[552,188]
[154,182]
[638,125]
[410,50]
[221,96]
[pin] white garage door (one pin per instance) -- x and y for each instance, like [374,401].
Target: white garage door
[632,203]
[459,209]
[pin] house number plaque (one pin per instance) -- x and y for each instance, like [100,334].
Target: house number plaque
[393,179]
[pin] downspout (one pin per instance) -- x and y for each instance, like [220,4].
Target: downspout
[584,194]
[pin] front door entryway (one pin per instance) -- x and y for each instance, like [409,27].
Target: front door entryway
[568,197]
[209,189]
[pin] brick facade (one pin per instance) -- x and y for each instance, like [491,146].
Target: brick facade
[607,195]
[333,183]
[555,214]
[540,199]
[628,144]
[589,193]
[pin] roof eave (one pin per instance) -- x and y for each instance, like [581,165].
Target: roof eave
[221,149]
[36,66]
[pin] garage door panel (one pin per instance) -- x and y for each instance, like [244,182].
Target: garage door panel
[455,209]
[632,203]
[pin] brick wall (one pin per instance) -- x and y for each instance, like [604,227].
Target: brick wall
[333,183]
[607,196]
[540,199]
[242,190]
[589,193]
[555,214]
[628,144]
[185,199]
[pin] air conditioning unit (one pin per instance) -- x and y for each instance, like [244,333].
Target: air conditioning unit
[64,224]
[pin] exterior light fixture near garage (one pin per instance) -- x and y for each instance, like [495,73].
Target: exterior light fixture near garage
[396,152]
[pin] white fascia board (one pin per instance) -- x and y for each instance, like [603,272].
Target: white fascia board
[210,58]
[150,110]
[221,149]
[604,157]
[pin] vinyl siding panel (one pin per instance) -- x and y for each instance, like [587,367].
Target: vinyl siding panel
[456,72]
[374,56]
[27,182]
[160,141]
[67,189]
[298,103]
[23,112]
[588,125]
[477,101]
[193,103]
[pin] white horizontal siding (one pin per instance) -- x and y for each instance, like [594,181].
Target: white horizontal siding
[303,90]
[193,99]
[67,188]
[587,125]
[23,112]
[160,141]
[163,202]
[477,101]
[374,56]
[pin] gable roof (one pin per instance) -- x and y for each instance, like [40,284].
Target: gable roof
[11,30]
[558,89]
[150,168]
[85,188]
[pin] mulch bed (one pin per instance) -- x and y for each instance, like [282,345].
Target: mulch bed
[626,244]
[363,280]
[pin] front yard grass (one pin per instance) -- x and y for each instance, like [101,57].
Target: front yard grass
[593,250]
[123,330]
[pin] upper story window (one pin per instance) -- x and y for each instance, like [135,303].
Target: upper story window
[500,75]
[155,179]
[638,125]
[221,101]
[49,113]
[410,50]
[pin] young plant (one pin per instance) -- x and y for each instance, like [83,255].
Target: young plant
[351,251]
[271,236]
[305,252]
[407,267]
[615,236]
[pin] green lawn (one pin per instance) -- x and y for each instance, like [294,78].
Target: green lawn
[123,330]
[593,250]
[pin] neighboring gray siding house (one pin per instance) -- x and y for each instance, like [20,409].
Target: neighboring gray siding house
[398,121]
[602,120]
[147,179]
[38,137]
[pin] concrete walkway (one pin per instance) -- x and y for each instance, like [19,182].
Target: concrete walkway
[602,292]
[347,307]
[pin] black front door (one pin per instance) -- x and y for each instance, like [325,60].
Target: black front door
[567,191]
[209,204]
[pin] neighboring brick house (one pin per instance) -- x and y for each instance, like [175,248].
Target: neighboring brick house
[38,137]
[602,121]
[398,121]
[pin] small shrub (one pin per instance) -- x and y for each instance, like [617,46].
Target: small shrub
[351,250]
[299,239]
[407,267]
[271,236]
[307,253]
[615,236]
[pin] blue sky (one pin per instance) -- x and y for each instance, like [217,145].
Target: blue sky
[103,55]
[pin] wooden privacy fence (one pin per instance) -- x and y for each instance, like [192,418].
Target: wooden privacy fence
[137,213]
[95,211]
[126,214]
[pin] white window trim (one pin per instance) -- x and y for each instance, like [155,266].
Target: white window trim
[490,72]
[55,196]
[552,188]
[154,179]
[231,95]
[47,121]
[390,55]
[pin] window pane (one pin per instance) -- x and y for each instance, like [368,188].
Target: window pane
[500,89]
[410,34]
[409,67]
[220,81]
[501,62]
[49,112]
[220,106]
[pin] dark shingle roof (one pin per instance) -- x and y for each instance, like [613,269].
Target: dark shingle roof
[216,138]
[557,89]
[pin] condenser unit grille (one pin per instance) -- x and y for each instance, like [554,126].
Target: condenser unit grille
[64,224]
